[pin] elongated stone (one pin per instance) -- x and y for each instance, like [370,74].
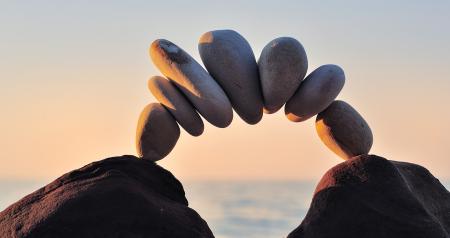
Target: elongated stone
[168,95]
[157,132]
[193,81]
[315,93]
[230,60]
[344,131]
[282,66]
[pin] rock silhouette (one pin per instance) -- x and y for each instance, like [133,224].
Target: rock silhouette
[116,197]
[366,196]
[371,197]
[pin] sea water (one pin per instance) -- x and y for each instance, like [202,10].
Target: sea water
[232,209]
[251,209]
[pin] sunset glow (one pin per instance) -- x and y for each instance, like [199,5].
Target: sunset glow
[73,87]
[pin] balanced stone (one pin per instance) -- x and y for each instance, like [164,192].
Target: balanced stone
[282,66]
[177,104]
[229,59]
[193,81]
[157,132]
[343,130]
[315,93]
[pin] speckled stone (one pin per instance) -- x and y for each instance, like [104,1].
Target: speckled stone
[176,103]
[193,81]
[282,66]
[315,93]
[157,132]
[344,131]
[230,60]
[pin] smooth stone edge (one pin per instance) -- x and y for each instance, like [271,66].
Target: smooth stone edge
[273,109]
[208,38]
[324,131]
[154,51]
[140,128]
[295,118]
[195,133]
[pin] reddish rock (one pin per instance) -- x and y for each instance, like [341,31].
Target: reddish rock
[371,197]
[116,197]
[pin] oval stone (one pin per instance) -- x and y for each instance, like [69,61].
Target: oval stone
[315,93]
[229,59]
[344,131]
[157,132]
[168,95]
[282,66]
[193,81]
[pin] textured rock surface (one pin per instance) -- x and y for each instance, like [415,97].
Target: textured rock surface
[194,81]
[229,59]
[157,132]
[282,66]
[343,130]
[116,197]
[371,197]
[177,104]
[315,93]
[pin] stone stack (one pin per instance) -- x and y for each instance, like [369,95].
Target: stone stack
[234,79]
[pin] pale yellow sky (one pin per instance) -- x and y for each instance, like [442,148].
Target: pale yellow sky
[74,82]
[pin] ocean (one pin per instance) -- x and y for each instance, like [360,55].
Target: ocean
[233,209]
[251,209]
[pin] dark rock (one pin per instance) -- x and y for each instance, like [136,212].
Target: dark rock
[369,196]
[116,197]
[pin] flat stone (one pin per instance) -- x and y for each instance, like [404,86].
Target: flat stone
[176,103]
[229,59]
[193,81]
[315,93]
[282,66]
[344,131]
[157,132]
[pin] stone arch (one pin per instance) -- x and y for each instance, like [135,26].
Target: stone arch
[234,80]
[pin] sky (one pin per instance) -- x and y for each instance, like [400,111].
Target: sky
[74,81]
